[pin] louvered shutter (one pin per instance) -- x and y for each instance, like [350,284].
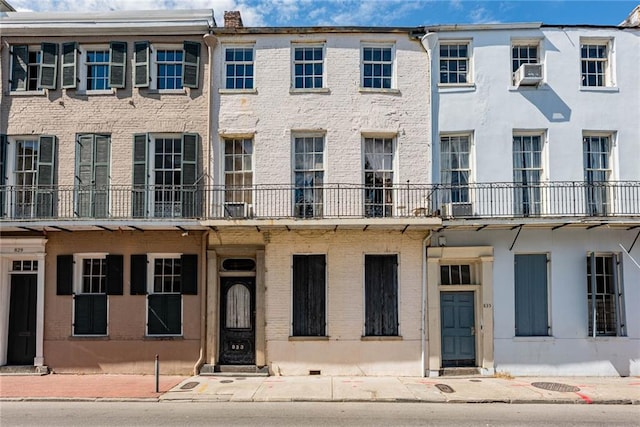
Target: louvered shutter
[190,195]
[191,64]
[189,274]
[140,175]
[19,64]
[64,275]
[381,295]
[165,314]
[84,174]
[90,314]
[101,176]
[114,274]
[141,64]
[117,64]
[48,66]
[138,274]
[69,61]
[309,295]
[3,173]
[46,191]
[531,295]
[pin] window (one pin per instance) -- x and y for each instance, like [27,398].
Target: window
[527,173]
[33,68]
[454,63]
[455,168]
[605,295]
[596,153]
[97,63]
[455,274]
[381,295]
[309,293]
[166,67]
[102,67]
[238,177]
[90,278]
[28,166]
[92,175]
[308,67]
[238,64]
[594,57]
[378,177]
[531,295]
[164,278]
[308,176]
[165,175]
[523,53]
[377,67]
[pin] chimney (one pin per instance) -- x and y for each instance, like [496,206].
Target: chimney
[232,19]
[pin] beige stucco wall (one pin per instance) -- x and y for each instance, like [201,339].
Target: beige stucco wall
[125,349]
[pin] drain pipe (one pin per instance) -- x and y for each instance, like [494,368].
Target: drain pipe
[425,243]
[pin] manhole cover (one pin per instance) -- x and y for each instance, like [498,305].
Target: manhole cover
[189,385]
[556,387]
[226,381]
[444,388]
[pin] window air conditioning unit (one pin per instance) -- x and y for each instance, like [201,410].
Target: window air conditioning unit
[457,210]
[528,75]
[237,210]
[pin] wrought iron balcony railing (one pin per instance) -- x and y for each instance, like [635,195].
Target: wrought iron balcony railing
[329,201]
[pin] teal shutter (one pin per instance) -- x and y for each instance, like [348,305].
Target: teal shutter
[140,175]
[191,64]
[64,275]
[189,274]
[114,274]
[90,314]
[19,61]
[84,174]
[46,191]
[69,61]
[138,274]
[165,314]
[3,173]
[101,176]
[531,295]
[141,64]
[190,195]
[117,64]
[48,66]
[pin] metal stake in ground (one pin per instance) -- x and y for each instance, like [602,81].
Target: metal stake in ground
[157,374]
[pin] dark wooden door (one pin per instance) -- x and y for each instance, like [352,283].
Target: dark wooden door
[237,321]
[458,329]
[22,320]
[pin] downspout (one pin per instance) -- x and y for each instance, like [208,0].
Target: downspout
[423,323]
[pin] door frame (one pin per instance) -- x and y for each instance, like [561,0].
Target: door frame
[21,249]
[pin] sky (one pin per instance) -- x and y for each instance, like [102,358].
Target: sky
[392,13]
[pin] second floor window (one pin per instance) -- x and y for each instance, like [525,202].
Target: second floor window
[596,155]
[378,177]
[308,175]
[238,177]
[169,69]
[377,67]
[454,63]
[527,173]
[594,58]
[308,65]
[238,63]
[455,167]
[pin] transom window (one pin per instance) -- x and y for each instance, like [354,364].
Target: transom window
[595,64]
[377,67]
[308,63]
[455,274]
[378,177]
[97,62]
[308,175]
[24,265]
[455,167]
[239,67]
[454,63]
[169,68]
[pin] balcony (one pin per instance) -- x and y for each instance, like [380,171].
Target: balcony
[330,203]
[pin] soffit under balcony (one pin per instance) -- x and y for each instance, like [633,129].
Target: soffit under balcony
[619,223]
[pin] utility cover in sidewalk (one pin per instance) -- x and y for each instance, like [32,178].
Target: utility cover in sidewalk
[556,387]
[444,388]
[189,385]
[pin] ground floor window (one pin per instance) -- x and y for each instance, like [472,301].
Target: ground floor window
[381,295]
[604,295]
[309,284]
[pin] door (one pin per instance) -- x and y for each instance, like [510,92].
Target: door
[22,320]
[458,329]
[237,321]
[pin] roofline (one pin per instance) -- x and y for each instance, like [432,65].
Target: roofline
[6,7]
[311,30]
[476,27]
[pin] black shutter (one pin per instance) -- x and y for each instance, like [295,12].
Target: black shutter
[46,176]
[165,314]
[69,60]
[19,61]
[141,64]
[189,274]
[48,66]
[381,295]
[64,275]
[191,64]
[190,195]
[90,314]
[3,171]
[139,196]
[114,274]
[117,64]
[309,295]
[138,274]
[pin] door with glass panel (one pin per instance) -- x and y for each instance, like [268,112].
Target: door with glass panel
[527,171]
[237,321]
[308,176]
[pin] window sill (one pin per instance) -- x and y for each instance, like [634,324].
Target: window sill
[546,338]
[89,338]
[182,91]
[295,91]
[163,338]
[96,92]
[379,90]
[606,89]
[237,91]
[381,338]
[28,93]
[607,338]
[465,87]
[309,338]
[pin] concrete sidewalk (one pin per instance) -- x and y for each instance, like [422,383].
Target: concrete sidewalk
[596,390]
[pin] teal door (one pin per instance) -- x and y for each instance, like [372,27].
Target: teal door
[458,329]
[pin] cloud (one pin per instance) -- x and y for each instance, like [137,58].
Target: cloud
[481,15]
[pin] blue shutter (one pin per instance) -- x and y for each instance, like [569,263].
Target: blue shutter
[69,60]
[191,205]
[141,64]
[191,64]
[84,174]
[531,295]
[90,314]
[140,175]
[48,75]
[19,61]
[117,64]
[46,176]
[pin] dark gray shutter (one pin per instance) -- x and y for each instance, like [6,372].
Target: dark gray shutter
[69,61]
[189,274]
[101,176]
[309,295]
[3,172]
[531,295]
[381,295]
[191,64]
[190,195]
[117,64]
[84,174]
[140,175]
[114,274]
[90,314]
[64,275]
[141,64]
[48,75]
[138,274]
[165,314]
[19,64]
[46,191]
